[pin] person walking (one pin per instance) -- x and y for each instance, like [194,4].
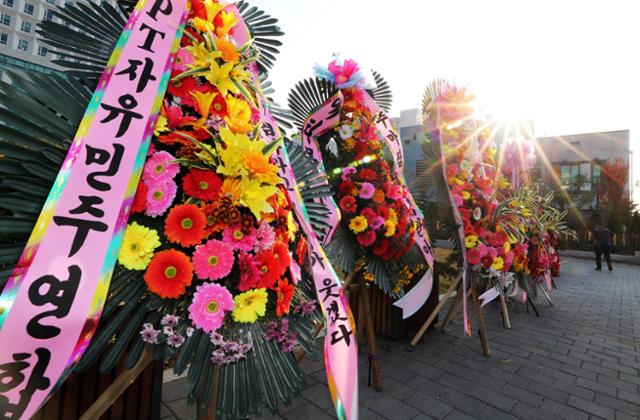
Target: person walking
[602,245]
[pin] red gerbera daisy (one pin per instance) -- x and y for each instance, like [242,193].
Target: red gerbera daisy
[346,187]
[204,185]
[367,174]
[168,274]
[381,247]
[285,294]
[301,250]
[185,225]
[269,267]
[140,200]
[348,204]
[281,254]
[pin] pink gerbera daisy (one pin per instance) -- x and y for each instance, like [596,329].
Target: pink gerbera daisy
[366,190]
[237,239]
[265,236]
[249,272]
[159,197]
[208,307]
[160,168]
[213,260]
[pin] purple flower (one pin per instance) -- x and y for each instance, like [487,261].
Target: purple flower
[218,356]
[377,222]
[216,338]
[230,347]
[170,320]
[149,335]
[175,340]
[189,331]
[167,330]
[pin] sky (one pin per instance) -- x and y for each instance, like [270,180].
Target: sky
[570,66]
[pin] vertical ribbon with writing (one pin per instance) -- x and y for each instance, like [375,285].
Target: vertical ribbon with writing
[340,346]
[53,300]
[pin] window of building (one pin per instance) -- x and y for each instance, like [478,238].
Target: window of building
[28,8]
[23,45]
[596,174]
[42,51]
[4,38]
[8,3]
[5,19]
[48,15]
[25,26]
[51,1]
[585,176]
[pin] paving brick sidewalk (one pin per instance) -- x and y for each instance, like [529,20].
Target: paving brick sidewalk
[579,360]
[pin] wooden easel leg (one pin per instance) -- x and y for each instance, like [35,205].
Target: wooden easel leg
[505,312]
[212,410]
[481,325]
[119,385]
[371,337]
[361,317]
[453,309]
[546,295]
[435,312]
[530,302]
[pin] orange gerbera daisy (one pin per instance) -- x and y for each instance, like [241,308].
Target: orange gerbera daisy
[229,51]
[185,225]
[285,294]
[168,274]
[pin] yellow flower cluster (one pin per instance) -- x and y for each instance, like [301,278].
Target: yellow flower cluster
[405,275]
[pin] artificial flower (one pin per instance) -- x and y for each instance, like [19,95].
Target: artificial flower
[208,307]
[213,260]
[168,274]
[238,115]
[160,197]
[358,224]
[160,168]
[284,290]
[140,199]
[348,204]
[249,272]
[224,21]
[249,306]
[269,268]
[185,224]
[390,228]
[238,238]
[470,241]
[229,51]
[497,263]
[265,236]
[367,238]
[255,196]
[138,245]
[367,190]
[204,185]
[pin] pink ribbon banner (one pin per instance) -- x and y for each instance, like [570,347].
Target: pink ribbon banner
[340,346]
[53,300]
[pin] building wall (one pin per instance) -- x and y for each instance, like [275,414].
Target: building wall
[22,42]
[581,154]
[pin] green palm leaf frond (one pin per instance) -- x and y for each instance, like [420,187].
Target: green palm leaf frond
[84,38]
[37,125]
[431,92]
[312,183]
[264,31]
[382,92]
[307,95]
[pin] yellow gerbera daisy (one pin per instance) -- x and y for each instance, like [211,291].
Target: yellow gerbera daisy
[470,241]
[358,224]
[249,306]
[498,263]
[390,228]
[138,245]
